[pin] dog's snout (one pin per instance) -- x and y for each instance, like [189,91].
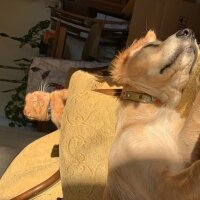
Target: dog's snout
[185,33]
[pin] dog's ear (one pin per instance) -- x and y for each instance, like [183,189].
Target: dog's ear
[150,36]
[118,70]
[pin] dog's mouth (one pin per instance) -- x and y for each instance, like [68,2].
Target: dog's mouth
[168,65]
[175,57]
[184,50]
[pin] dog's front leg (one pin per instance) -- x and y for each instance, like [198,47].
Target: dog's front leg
[184,185]
[189,137]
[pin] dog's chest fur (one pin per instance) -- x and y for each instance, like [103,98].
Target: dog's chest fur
[147,132]
[145,135]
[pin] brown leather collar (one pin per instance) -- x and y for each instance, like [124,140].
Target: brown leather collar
[139,97]
[130,95]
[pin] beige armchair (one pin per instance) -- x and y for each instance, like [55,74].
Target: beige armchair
[85,138]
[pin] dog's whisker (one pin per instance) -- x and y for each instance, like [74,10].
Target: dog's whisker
[146,25]
[46,86]
[43,86]
[38,86]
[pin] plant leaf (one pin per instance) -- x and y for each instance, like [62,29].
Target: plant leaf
[23,59]
[11,81]
[16,38]
[11,124]
[5,91]
[4,35]
[23,65]
[11,67]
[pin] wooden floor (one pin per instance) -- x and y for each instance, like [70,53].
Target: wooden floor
[12,141]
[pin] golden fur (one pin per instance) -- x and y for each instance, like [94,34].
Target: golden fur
[37,104]
[155,153]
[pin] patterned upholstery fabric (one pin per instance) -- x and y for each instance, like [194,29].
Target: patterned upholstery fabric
[33,165]
[87,131]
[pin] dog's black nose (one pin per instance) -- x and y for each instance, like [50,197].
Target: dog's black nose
[185,33]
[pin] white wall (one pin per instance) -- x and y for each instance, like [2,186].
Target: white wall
[16,18]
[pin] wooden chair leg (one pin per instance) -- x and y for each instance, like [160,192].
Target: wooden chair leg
[59,41]
[91,46]
[55,41]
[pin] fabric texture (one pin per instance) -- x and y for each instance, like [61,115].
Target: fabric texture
[32,166]
[87,131]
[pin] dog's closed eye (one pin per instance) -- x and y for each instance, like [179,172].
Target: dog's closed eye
[153,44]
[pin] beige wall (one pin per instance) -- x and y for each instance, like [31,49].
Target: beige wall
[16,17]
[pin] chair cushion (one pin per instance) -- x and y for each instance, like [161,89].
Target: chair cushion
[87,131]
[32,166]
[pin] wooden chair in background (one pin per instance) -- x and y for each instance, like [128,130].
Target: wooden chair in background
[93,31]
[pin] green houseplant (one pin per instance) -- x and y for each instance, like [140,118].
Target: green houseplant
[13,109]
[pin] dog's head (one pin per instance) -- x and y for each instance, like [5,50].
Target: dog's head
[159,68]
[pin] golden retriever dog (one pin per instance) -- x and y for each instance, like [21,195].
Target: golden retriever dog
[154,155]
